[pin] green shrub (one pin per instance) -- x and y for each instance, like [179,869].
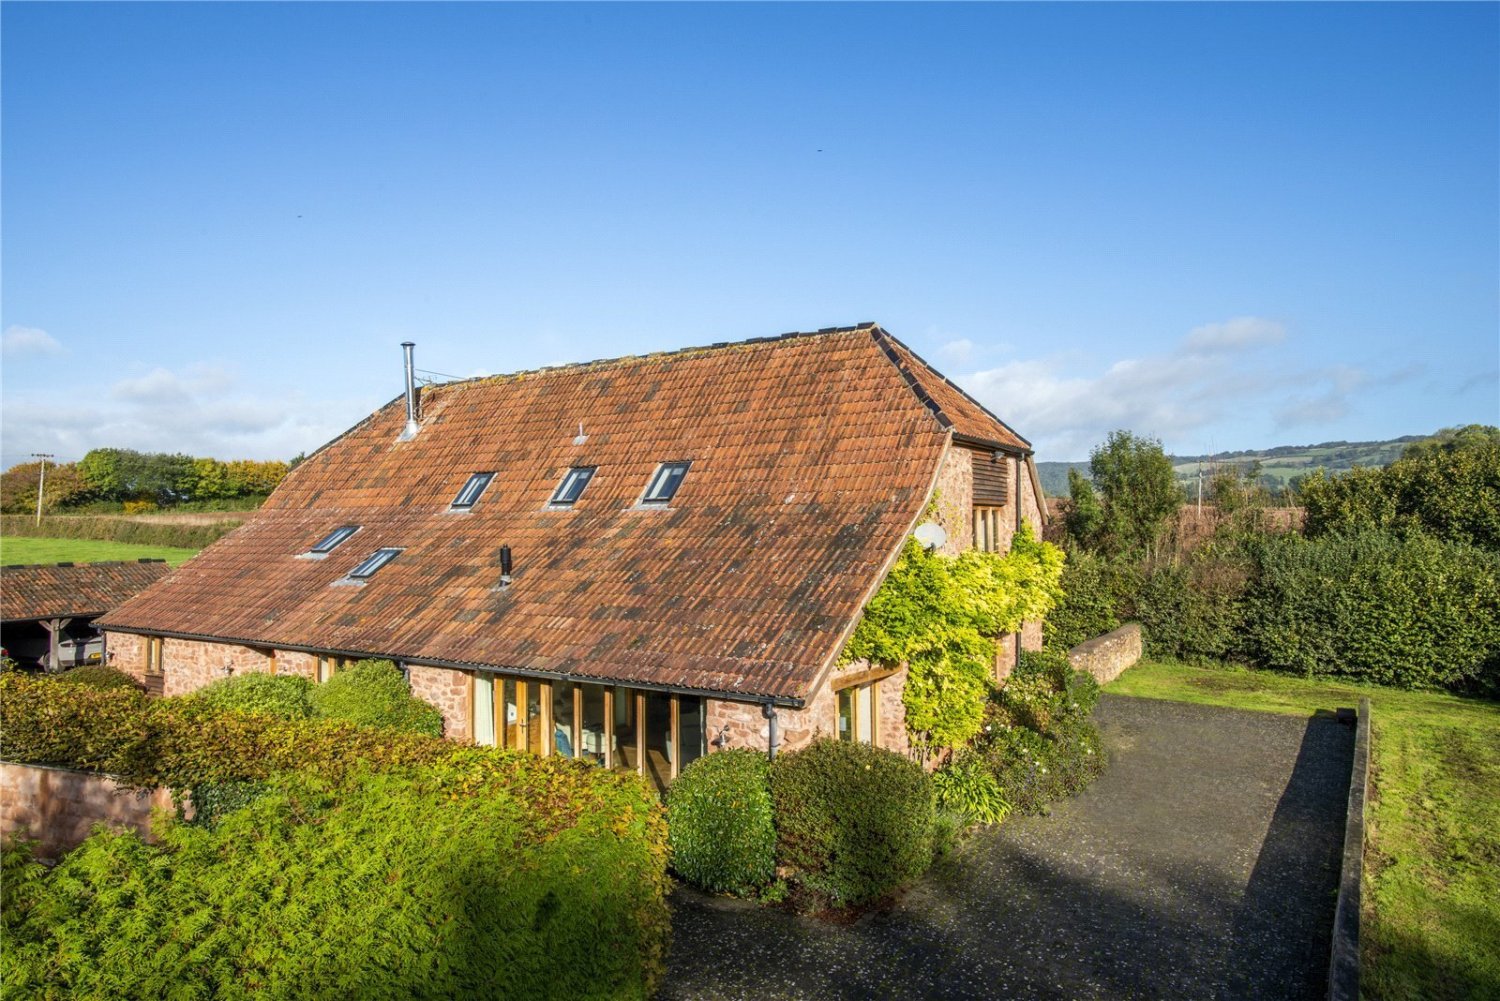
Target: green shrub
[367,863]
[285,696]
[720,824]
[373,693]
[1032,769]
[1087,606]
[966,787]
[853,822]
[1404,610]
[99,676]
[1194,611]
[383,885]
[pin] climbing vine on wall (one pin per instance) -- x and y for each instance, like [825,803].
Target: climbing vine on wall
[942,615]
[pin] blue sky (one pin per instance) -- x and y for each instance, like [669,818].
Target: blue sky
[1225,225]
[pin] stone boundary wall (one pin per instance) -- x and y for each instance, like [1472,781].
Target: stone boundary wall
[60,806]
[1107,656]
[1343,961]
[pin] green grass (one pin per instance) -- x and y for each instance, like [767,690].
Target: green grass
[1431,916]
[15,549]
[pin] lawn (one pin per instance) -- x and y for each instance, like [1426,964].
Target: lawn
[18,549]
[1431,921]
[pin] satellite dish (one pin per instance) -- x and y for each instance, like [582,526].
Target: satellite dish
[930,534]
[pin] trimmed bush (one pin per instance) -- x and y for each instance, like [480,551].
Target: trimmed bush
[373,693]
[853,822]
[720,825]
[371,864]
[381,886]
[284,696]
[1409,611]
[1087,606]
[99,676]
[107,529]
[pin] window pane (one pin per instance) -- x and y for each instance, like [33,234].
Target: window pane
[472,489]
[625,730]
[864,713]
[564,741]
[664,484]
[515,723]
[484,709]
[659,738]
[330,541]
[377,559]
[692,730]
[846,714]
[591,741]
[572,485]
[534,734]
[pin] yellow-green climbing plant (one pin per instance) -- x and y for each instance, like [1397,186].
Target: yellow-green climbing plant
[941,615]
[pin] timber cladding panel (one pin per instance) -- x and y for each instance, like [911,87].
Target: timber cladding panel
[991,478]
[812,457]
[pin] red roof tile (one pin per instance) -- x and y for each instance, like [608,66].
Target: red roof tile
[812,456]
[69,590]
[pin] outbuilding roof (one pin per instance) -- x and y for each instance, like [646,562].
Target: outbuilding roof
[72,590]
[811,457]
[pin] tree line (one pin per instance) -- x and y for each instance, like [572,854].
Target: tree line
[110,476]
[1393,576]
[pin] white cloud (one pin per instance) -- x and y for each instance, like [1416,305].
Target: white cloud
[1233,335]
[18,342]
[198,409]
[1217,371]
[959,352]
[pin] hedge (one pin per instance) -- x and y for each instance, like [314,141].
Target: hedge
[853,822]
[374,863]
[284,696]
[1406,610]
[117,529]
[720,823]
[373,693]
[99,676]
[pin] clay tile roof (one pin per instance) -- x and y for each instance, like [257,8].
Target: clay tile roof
[968,416]
[68,590]
[812,457]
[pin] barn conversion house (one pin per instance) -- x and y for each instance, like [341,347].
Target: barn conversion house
[631,561]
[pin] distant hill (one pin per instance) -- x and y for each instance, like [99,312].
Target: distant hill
[1277,465]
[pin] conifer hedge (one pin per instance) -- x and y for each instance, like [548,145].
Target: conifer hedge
[371,864]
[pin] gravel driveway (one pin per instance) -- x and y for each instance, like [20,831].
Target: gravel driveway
[1202,864]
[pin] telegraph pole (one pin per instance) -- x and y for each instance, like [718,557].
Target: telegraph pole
[41,481]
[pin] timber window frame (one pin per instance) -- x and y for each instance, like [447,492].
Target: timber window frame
[635,730]
[988,522]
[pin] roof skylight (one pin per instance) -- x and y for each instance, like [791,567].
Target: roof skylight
[470,493]
[333,540]
[664,482]
[372,563]
[571,487]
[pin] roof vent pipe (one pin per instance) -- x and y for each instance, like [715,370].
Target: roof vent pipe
[413,401]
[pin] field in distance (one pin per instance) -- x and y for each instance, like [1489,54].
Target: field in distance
[17,549]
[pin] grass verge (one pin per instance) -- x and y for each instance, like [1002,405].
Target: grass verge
[14,549]
[1431,918]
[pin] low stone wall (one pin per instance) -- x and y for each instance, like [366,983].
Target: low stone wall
[1105,657]
[59,806]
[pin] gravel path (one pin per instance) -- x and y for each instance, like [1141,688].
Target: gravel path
[1202,864]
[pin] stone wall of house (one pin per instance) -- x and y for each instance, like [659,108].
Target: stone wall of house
[955,499]
[746,727]
[60,806]
[188,665]
[304,665]
[126,652]
[451,691]
[1107,656]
